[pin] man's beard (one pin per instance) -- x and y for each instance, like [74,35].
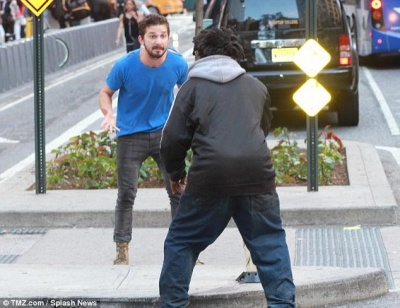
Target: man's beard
[155,54]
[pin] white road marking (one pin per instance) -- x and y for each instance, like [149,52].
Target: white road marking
[394,151]
[391,122]
[4,140]
[16,168]
[60,140]
[63,79]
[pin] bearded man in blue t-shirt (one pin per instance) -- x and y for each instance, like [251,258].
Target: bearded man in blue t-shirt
[145,79]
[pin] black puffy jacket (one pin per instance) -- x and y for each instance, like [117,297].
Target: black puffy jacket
[223,115]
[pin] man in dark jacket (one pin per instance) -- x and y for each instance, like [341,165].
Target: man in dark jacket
[223,115]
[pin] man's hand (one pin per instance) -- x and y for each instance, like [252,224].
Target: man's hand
[109,124]
[105,104]
[179,186]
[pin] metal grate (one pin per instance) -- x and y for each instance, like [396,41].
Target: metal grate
[8,259]
[342,247]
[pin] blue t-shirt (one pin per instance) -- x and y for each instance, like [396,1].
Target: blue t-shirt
[145,94]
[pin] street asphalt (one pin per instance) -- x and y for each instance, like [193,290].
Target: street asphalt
[342,241]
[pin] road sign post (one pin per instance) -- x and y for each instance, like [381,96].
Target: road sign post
[312,122]
[38,82]
[37,7]
[312,96]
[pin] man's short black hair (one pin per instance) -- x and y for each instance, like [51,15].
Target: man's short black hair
[215,41]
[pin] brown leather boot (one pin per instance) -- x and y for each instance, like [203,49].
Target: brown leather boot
[122,254]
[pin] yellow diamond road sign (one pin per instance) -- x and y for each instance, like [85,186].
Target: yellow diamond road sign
[312,58]
[311,97]
[37,6]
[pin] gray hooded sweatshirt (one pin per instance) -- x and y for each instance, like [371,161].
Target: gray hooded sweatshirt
[222,114]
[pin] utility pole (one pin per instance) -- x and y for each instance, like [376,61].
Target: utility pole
[199,16]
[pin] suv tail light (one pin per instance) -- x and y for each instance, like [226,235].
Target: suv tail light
[344,50]
[377,15]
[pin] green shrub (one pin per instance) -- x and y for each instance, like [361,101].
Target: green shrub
[88,161]
[290,160]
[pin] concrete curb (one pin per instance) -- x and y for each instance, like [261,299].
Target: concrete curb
[120,286]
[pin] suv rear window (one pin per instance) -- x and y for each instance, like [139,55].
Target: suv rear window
[271,31]
[275,13]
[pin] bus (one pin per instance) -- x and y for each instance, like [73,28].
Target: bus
[375,25]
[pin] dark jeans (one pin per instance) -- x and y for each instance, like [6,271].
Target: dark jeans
[132,151]
[198,223]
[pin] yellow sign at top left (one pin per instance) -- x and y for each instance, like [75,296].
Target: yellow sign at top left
[37,6]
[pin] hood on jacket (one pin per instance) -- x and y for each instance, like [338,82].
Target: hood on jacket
[218,68]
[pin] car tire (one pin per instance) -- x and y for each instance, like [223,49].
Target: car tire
[348,110]
[328,14]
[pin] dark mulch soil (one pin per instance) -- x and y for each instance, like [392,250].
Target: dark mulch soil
[340,175]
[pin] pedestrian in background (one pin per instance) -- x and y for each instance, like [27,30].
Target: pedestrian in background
[120,5]
[128,23]
[184,7]
[145,79]
[18,11]
[223,115]
[142,6]
[2,32]
[8,20]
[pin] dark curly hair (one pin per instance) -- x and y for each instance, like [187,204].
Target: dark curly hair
[215,41]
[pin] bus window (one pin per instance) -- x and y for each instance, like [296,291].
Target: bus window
[391,13]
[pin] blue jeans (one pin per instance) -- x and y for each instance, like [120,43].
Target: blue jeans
[132,151]
[198,223]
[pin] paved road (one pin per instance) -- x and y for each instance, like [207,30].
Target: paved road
[83,88]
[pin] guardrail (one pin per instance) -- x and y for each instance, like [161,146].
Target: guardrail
[62,48]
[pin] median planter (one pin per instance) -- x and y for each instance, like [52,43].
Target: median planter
[88,161]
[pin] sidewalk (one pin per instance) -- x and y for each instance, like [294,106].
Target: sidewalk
[341,241]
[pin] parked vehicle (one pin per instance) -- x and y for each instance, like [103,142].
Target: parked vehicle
[376,25]
[165,7]
[271,32]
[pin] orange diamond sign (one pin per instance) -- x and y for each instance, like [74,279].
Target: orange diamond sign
[37,6]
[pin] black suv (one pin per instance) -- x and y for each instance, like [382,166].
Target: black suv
[271,32]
